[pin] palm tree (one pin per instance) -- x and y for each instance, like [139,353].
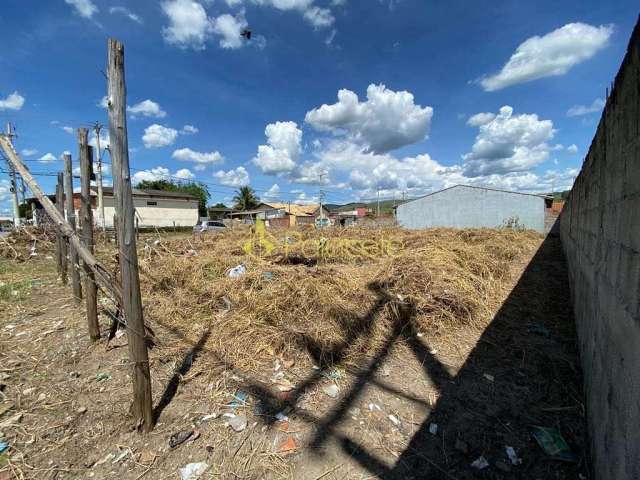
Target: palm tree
[245,198]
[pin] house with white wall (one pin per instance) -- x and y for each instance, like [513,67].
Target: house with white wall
[154,208]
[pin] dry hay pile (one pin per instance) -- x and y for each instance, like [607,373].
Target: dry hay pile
[27,242]
[330,296]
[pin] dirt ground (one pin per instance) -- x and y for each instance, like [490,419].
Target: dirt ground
[424,411]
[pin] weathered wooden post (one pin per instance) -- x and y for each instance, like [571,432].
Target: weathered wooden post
[108,284]
[71,218]
[128,256]
[90,287]
[61,242]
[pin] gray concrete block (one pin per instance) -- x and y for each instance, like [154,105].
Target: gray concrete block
[600,231]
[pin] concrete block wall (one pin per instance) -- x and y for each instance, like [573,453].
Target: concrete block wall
[600,232]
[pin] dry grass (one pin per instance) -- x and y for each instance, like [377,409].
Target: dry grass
[330,296]
[24,242]
[321,297]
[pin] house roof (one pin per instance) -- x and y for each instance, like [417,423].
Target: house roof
[294,209]
[476,187]
[148,193]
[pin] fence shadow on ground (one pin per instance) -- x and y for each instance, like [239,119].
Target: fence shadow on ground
[537,381]
[184,367]
[529,349]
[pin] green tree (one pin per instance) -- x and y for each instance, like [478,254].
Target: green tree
[245,198]
[193,188]
[219,205]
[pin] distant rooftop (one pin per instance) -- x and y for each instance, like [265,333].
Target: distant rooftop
[294,209]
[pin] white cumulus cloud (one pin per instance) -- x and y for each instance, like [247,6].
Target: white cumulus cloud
[47,158]
[127,13]
[238,177]
[509,143]
[286,4]
[161,173]
[552,54]
[385,121]
[189,130]
[319,17]
[572,149]
[480,119]
[229,29]
[84,8]
[146,108]
[189,25]
[157,173]
[305,199]
[272,194]
[184,174]
[14,101]
[156,136]
[29,152]
[577,110]
[203,158]
[282,149]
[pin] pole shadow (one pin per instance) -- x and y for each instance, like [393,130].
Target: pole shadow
[530,357]
[528,353]
[184,367]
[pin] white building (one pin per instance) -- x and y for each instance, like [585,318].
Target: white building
[464,206]
[154,208]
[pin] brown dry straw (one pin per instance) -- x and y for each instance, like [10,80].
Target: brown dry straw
[331,295]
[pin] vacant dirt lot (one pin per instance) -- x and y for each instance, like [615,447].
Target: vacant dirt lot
[373,380]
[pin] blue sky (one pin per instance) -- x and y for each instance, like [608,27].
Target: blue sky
[348,96]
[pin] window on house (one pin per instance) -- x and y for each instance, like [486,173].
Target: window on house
[152,204]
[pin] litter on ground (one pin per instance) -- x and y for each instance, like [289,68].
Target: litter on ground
[193,471]
[553,444]
[480,463]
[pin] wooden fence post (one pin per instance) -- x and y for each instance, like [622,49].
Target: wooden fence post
[71,218]
[90,287]
[128,256]
[108,284]
[61,242]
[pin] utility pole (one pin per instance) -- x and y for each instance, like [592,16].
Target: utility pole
[142,408]
[14,184]
[378,214]
[101,221]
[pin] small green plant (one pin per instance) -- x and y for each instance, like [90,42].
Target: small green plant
[12,292]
